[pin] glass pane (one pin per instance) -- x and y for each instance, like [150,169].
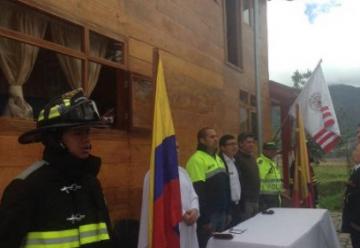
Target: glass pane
[103,89]
[232,31]
[244,119]
[247,11]
[104,47]
[65,34]
[14,15]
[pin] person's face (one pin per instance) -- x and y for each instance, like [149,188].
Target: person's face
[77,141]
[230,148]
[248,145]
[270,153]
[210,140]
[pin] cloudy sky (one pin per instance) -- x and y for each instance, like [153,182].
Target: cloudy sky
[302,32]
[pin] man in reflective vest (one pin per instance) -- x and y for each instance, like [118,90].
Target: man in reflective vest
[210,180]
[58,201]
[270,178]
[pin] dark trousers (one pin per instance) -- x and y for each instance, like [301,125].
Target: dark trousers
[217,222]
[355,239]
[269,201]
[236,211]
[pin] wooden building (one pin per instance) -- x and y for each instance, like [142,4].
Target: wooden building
[106,47]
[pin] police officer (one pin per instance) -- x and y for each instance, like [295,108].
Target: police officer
[270,178]
[58,201]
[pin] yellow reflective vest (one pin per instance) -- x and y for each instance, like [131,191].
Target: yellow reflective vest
[270,177]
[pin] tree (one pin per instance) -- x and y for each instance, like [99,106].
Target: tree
[299,79]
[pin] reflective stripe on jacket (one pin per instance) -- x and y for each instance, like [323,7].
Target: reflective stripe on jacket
[84,234]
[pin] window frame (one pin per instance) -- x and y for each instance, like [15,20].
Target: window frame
[83,55]
[249,108]
[239,40]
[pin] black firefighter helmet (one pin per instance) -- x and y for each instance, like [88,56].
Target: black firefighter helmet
[71,109]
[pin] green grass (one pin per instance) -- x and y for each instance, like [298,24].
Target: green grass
[331,184]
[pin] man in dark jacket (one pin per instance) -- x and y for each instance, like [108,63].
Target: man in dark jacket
[58,201]
[250,179]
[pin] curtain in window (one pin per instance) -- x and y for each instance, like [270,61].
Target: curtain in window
[17,59]
[69,37]
[98,45]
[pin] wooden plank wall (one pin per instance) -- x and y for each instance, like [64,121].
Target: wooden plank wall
[203,90]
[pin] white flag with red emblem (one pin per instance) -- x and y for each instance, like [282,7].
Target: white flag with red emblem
[318,113]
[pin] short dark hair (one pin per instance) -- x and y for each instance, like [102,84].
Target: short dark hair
[202,133]
[225,139]
[243,136]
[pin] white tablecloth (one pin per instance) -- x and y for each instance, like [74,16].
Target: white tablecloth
[286,228]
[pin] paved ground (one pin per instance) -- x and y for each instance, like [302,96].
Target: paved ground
[343,237]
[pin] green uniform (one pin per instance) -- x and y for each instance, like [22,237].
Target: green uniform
[270,183]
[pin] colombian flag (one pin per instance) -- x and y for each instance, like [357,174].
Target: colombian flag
[165,198]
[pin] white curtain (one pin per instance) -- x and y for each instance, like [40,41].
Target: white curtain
[17,59]
[70,37]
[98,45]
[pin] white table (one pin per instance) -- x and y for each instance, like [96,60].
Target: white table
[286,228]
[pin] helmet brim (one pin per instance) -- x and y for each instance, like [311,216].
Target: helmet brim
[34,135]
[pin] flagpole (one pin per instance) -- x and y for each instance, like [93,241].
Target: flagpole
[257,75]
[151,171]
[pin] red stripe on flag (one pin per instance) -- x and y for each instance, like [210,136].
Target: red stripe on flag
[166,217]
[322,109]
[328,147]
[319,133]
[325,138]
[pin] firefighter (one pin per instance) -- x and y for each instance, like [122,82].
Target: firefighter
[58,201]
[270,178]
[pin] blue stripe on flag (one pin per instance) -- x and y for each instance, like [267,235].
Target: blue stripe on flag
[166,164]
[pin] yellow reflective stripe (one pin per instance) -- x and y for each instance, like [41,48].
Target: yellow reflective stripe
[54,112]
[92,227]
[53,234]
[41,115]
[66,102]
[85,234]
[93,232]
[93,239]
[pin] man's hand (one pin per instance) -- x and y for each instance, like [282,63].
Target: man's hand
[190,216]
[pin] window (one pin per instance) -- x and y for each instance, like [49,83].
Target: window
[248,117]
[233,32]
[50,56]
[247,11]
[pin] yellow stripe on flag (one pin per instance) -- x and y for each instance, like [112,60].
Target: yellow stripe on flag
[301,173]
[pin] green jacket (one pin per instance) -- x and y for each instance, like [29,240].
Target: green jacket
[270,177]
